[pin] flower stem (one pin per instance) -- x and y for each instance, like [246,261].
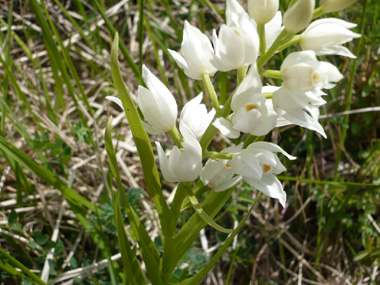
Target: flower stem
[318,12]
[241,73]
[218,155]
[176,136]
[295,40]
[282,39]
[261,32]
[272,74]
[211,91]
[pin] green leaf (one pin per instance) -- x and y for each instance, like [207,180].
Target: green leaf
[142,142]
[12,219]
[190,231]
[361,255]
[40,238]
[24,269]
[198,208]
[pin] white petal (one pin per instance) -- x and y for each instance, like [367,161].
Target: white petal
[190,140]
[227,184]
[211,169]
[183,64]
[270,186]
[197,50]
[225,127]
[164,165]
[270,147]
[246,164]
[115,100]
[250,86]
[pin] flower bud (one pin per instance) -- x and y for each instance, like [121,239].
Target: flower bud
[298,16]
[335,5]
[157,104]
[262,11]
[326,36]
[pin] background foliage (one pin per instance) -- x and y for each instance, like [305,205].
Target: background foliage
[55,74]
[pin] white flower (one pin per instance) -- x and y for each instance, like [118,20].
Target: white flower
[157,104]
[197,53]
[325,36]
[298,16]
[258,164]
[272,29]
[250,113]
[335,5]
[194,115]
[262,11]
[219,174]
[300,108]
[182,165]
[238,42]
[302,71]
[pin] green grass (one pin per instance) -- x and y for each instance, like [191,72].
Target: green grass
[55,74]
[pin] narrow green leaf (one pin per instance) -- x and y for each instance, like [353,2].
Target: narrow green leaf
[148,249]
[198,208]
[190,231]
[196,279]
[10,269]
[44,174]
[142,142]
[13,261]
[125,247]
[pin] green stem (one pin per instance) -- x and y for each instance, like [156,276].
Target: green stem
[282,39]
[176,136]
[272,74]
[218,155]
[261,32]
[241,73]
[211,91]
[179,196]
[295,40]
[347,101]
[199,277]
[318,12]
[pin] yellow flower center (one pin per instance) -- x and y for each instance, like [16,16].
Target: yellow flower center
[266,168]
[249,107]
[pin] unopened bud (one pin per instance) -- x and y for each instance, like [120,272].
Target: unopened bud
[298,16]
[335,5]
[262,11]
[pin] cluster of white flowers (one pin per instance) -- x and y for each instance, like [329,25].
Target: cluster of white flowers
[254,109]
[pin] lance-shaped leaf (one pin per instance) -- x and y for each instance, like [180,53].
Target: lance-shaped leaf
[148,250]
[142,142]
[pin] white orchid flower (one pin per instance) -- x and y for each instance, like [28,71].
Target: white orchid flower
[157,104]
[250,113]
[272,29]
[197,53]
[299,108]
[303,72]
[325,36]
[258,164]
[262,11]
[182,165]
[195,116]
[238,42]
[219,174]
[298,16]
